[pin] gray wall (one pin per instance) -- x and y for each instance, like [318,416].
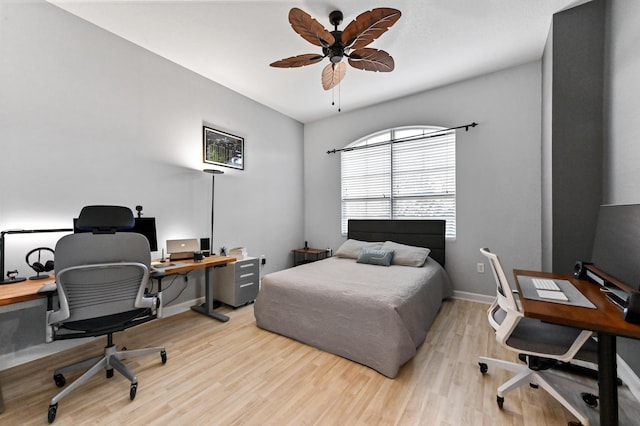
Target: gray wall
[498,167]
[87,117]
[590,138]
[574,66]
[621,183]
[622,104]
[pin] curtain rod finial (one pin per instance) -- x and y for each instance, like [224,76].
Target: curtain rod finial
[466,128]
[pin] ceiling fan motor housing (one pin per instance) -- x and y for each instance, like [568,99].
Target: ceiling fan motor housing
[335,52]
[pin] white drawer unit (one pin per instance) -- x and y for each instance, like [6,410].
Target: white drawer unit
[237,283]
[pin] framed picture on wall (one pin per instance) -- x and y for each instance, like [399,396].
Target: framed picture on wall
[222,149]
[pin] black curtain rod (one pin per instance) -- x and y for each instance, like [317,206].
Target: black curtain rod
[433,134]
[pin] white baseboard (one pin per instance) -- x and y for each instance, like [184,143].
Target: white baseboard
[41,350]
[179,308]
[473,297]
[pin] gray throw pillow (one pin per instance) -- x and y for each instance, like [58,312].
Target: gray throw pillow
[375,257]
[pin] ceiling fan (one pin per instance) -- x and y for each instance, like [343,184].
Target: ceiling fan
[349,43]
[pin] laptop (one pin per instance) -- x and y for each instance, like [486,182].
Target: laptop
[182,249]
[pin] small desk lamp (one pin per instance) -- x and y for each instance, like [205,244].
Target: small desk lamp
[213,173]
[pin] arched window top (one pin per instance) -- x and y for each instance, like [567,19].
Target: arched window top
[395,134]
[401,173]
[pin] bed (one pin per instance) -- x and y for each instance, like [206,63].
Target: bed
[371,314]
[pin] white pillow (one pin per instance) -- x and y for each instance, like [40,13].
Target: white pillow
[407,255]
[351,249]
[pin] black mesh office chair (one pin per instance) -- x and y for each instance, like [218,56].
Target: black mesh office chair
[537,343]
[101,278]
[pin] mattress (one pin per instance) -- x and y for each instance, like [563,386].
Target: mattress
[374,315]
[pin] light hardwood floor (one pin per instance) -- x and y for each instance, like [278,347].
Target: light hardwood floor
[237,374]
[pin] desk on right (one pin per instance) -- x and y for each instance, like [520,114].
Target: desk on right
[606,320]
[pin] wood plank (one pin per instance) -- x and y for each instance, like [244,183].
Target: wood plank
[22,291]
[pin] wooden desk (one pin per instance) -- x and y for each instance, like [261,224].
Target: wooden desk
[606,320]
[22,291]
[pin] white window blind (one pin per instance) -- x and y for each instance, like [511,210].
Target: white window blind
[411,177]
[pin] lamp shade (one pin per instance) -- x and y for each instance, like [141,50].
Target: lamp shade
[213,171]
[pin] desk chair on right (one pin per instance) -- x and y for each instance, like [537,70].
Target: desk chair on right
[537,341]
[101,277]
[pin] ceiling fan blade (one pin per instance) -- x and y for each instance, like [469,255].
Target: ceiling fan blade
[368,26]
[297,61]
[371,60]
[310,29]
[332,75]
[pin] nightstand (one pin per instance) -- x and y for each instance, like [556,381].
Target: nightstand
[307,255]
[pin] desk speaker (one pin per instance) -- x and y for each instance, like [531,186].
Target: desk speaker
[580,269]
[632,308]
[205,246]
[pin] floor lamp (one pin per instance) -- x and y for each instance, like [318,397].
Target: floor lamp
[213,173]
[207,308]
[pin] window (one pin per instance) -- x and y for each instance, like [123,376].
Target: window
[403,173]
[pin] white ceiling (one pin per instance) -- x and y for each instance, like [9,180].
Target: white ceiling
[435,42]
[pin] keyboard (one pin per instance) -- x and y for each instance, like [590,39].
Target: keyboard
[545,284]
[163,265]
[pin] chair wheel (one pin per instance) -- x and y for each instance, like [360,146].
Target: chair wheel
[500,401]
[590,399]
[575,424]
[534,385]
[51,414]
[60,380]
[132,391]
[109,373]
[163,355]
[483,367]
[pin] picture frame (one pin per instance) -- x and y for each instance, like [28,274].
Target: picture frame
[222,148]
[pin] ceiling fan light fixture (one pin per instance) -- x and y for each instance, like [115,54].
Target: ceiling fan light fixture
[336,55]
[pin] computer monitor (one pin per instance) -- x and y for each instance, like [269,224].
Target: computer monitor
[143,225]
[616,245]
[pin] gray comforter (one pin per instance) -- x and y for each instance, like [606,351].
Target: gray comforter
[375,315]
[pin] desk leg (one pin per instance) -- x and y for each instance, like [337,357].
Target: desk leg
[607,379]
[1,400]
[207,308]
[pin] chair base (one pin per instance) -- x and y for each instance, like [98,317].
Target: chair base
[109,361]
[554,384]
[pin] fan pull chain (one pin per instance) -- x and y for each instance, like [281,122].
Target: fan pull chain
[333,96]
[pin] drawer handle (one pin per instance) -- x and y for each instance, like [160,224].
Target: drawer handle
[246,285]
[248,265]
[250,274]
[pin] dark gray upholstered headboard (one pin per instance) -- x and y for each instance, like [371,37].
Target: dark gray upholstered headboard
[420,233]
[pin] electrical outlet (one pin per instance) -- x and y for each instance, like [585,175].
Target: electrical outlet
[263,260]
[480,268]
